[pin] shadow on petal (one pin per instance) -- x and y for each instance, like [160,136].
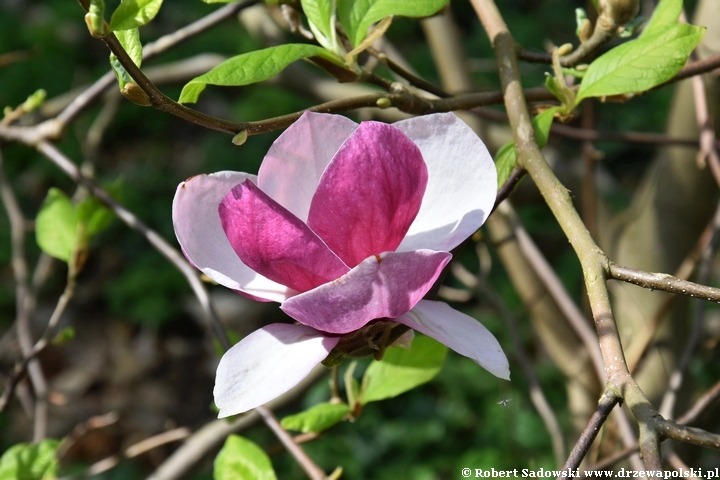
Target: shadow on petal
[266,364]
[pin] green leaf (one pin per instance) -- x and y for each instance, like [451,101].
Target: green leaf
[505,161]
[56,225]
[320,12]
[130,40]
[123,77]
[35,100]
[95,18]
[134,13]
[94,215]
[541,125]
[241,459]
[506,156]
[356,16]
[30,461]
[251,67]
[665,15]
[316,419]
[401,370]
[640,64]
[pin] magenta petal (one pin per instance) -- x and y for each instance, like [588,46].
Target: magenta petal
[275,243]
[460,332]
[204,243]
[266,364]
[383,286]
[292,168]
[370,193]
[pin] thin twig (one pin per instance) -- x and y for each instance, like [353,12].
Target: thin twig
[24,332]
[507,188]
[613,459]
[636,351]
[557,290]
[154,238]
[151,50]
[662,281]
[313,471]
[676,377]
[708,152]
[212,434]
[605,405]
[143,446]
[700,405]
[413,79]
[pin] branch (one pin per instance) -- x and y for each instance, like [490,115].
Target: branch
[305,462]
[558,292]
[682,433]
[592,259]
[22,299]
[700,405]
[212,434]
[662,281]
[413,79]
[582,446]
[508,187]
[667,405]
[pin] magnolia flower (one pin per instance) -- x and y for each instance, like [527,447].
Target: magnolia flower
[344,225]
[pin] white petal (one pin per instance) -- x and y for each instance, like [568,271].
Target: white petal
[266,364]
[294,164]
[460,332]
[203,240]
[462,182]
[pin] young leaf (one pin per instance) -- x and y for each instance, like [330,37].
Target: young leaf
[250,68]
[506,156]
[134,13]
[665,15]
[401,370]
[356,16]
[316,419]
[640,64]
[35,100]
[56,225]
[505,161]
[130,40]
[242,459]
[34,461]
[94,215]
[319,12]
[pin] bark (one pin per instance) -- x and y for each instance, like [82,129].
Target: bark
[670,209]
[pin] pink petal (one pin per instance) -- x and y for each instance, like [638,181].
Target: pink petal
[274,242]
[203,241]
[369,194]
[462,182]
[294,164]
[266,364]
[382,286]
[460,332]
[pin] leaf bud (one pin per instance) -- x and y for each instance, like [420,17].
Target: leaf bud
[135,94]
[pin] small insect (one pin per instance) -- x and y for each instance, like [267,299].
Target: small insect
[504,402]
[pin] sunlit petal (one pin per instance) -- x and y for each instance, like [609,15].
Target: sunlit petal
[462,182]
[460,332]
[383,286]
[266,364]
[203,241]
